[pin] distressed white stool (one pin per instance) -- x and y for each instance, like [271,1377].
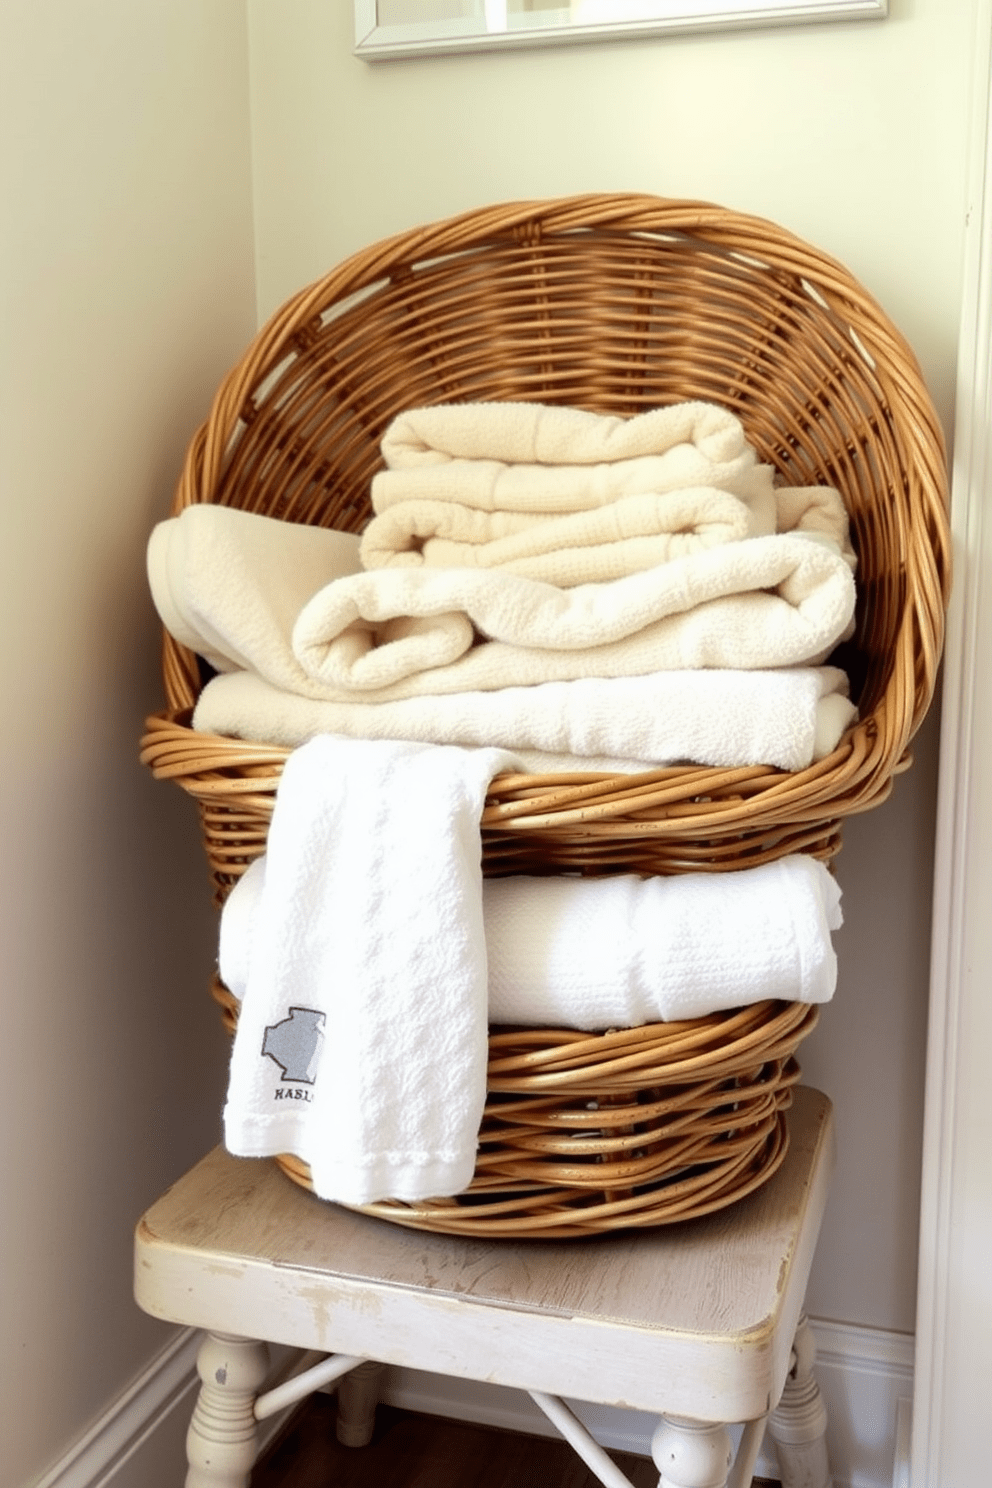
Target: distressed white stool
[700,1322]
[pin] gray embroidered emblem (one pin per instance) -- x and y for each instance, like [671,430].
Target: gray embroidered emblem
[294,1044]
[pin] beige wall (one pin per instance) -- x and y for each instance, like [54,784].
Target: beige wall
[128,287]
[852,135]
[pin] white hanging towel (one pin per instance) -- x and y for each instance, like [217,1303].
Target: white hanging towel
[362,1041]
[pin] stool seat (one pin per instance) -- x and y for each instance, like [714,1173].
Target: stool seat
[694,1320]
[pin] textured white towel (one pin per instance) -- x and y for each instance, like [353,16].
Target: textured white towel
[619,952]
[361,1045]
[786,718]
[596,953]
[769,602]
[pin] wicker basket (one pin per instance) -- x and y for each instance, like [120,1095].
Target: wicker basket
[643,1126]
[616,304]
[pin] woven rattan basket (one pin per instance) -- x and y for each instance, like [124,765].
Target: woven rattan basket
[615,304]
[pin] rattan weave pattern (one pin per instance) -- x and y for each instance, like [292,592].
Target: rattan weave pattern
[584,1133]
[613,303]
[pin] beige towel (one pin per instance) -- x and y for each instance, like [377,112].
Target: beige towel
[240,590]
[585,547]
[786,718]
[771,602]
[570,497]
[591,547]
[229,584]
[532,457]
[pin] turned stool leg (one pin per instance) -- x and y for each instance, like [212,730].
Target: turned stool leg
[220,1443]
[691,1454]
[358,1395]
[798,1423]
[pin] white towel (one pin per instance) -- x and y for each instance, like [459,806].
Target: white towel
[786,718]
[361,1045]
[619,952]
[784,600]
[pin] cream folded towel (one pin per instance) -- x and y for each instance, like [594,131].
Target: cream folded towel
[532,457]
[774,601]
[588,547]
[229,584]
[585,547]
[362,1041]
[619,952]
[240,590]
[786,718]
[571,497]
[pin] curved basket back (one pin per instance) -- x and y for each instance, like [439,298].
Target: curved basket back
[617,304]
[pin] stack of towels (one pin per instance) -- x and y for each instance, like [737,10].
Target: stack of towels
[587,591]
[539,589]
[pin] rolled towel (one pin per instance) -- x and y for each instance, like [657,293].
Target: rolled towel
[586,547]
[532,457]
[245,591]
[619,952]
[786,718]
[623,951]
[361,1045]
[774,601]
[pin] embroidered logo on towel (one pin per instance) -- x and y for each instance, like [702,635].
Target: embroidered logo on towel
[294,1044]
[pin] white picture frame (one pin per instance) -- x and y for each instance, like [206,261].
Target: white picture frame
[410,28]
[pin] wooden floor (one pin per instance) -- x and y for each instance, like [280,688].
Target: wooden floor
[415,1451]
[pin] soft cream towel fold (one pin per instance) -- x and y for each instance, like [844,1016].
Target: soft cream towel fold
[362,1041]
[584,547]
[588,547]
[239,589]
[769,602]
[619,952]
[535,457]
[787,718]
[229,584]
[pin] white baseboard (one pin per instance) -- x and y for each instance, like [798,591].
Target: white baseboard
[138,1441]
[864,1374]
[136,1415]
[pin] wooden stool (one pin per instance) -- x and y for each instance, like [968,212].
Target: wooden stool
[700,1322]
